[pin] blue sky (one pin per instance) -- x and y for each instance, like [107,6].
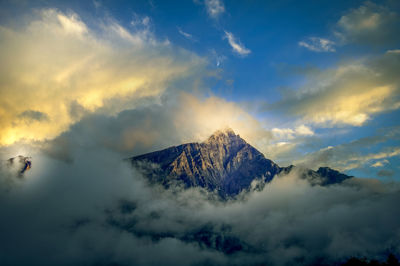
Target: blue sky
[311,82]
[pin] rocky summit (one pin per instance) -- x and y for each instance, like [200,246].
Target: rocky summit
[225,163]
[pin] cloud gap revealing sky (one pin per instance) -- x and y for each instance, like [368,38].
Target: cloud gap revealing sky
[311,83]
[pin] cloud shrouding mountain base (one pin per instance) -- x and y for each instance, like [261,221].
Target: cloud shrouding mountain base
[97,210]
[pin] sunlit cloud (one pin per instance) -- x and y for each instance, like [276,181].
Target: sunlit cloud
[56,65]
[160,125]
[349,94]
[213,113]
[380,163]
[289,133]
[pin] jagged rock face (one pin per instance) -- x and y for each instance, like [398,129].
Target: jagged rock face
[225,163]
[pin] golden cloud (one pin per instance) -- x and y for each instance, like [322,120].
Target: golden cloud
[348,94]
[198,118]
[56,62]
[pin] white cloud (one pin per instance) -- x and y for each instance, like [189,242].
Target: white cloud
[236,45]
[214,8]
[289,133]
[317,44]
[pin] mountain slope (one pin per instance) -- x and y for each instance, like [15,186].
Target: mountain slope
[224,162]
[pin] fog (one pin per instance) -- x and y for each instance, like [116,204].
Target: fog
[97,210]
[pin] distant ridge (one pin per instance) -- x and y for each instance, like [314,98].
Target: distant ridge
[224,162]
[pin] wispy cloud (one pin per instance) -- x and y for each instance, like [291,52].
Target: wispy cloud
[140,21]
[186,35]
[218,58]
[214,8]
[317,44]
[236,45]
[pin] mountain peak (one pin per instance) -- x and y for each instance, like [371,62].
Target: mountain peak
[224,162]
[225,136]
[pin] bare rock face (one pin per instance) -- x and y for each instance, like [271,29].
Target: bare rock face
[224,162]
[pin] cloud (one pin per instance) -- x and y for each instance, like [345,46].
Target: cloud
[159,125]
[109,214]
[288,133]
[395,51]
[218,58]
[386,173]
[29,115]
[214,8]
[348,94]
[55,64]
[346,156]
[140,21]
[186,35]
[364,154]
[380,163]
[318,44]
[236,45]
[369,24]
[285,142]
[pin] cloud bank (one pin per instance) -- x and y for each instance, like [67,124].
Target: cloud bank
[348,94]
[59,68]
[98,211]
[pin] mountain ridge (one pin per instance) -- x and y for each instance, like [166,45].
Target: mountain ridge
[224,162]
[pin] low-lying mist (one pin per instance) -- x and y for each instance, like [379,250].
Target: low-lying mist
[97,210]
